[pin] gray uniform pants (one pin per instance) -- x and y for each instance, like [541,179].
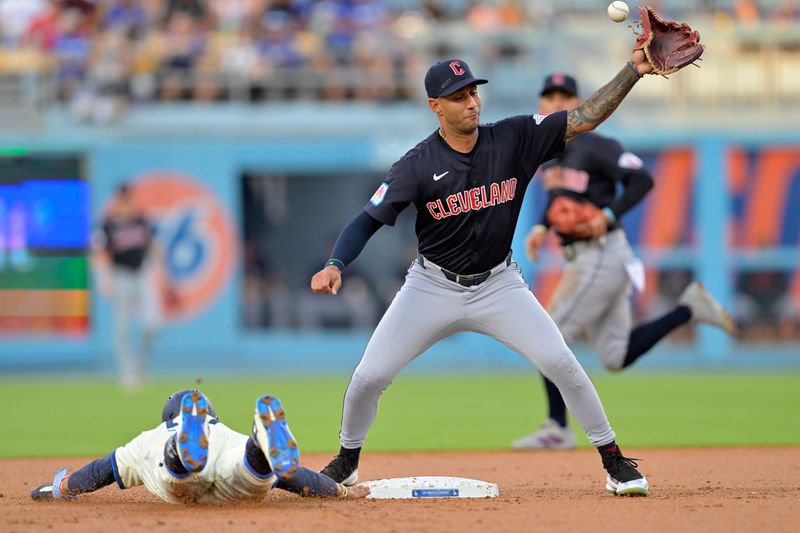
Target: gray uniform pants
[592,299]
[429,308]
[135,296]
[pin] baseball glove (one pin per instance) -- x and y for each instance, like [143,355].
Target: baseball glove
[566,214]
[668,45]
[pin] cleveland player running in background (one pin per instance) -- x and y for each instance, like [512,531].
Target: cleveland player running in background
[593,296]
[467,183]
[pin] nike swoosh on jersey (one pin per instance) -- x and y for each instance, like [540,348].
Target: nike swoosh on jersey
[437,177]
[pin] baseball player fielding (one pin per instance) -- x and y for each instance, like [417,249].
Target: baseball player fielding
[467,183]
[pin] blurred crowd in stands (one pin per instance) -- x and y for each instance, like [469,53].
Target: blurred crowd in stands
[253,50]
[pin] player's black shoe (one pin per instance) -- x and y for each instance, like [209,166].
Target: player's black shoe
[623,477]
[43,492]
[52,491]
[343,468]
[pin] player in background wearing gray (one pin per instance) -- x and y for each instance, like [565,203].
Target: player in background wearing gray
[192,457]
[467,183]
[593,296]
[128,266]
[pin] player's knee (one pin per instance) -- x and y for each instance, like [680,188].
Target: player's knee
[569,338]
[563,369]
[364,380]
[569,331]
[612,362]
[612,357]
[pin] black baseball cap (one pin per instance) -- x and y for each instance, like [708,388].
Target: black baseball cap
[446,77]
[558,81]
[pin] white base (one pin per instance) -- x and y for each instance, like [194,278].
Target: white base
[430,487]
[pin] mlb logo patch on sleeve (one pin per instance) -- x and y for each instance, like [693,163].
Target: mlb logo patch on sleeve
[380,194]
[539,118]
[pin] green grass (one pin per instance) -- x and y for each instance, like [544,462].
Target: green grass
[59,417]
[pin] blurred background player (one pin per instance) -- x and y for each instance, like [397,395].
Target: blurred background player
[129,273]
[191,457]
[593,296]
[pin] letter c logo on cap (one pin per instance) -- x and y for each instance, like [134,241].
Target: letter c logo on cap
[456,66]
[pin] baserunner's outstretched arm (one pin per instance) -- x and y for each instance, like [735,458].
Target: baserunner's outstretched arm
[306,482]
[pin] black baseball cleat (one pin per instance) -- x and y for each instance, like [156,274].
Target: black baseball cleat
[52,491]
[43,492]
[623,477]
[342,470]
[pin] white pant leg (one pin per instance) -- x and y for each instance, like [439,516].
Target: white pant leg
[150,297]
[125,301]
[233,480]
[612,331]
[592,283]
[504,308]
[150,312]
[424,311]
[224,479]
[141,462]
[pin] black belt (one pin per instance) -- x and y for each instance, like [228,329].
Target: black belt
[465,280]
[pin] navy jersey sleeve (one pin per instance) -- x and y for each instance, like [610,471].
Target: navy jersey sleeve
[616,162]
[541,138]
[394,194]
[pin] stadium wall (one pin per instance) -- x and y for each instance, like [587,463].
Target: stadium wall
[724,171]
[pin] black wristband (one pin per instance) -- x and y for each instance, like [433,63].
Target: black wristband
[337,263]
[634,69]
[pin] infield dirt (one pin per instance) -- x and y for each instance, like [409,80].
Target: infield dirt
[693,490]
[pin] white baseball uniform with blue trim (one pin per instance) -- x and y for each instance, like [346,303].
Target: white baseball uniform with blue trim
[226,478]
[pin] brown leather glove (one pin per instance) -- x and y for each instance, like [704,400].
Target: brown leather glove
[568,216]
[668,45]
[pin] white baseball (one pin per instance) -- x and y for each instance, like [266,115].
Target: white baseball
[618,11]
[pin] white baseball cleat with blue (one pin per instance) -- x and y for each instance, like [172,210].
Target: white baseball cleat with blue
[192,439]
[274,437]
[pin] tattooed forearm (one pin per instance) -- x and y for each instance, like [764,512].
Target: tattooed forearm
[601,104]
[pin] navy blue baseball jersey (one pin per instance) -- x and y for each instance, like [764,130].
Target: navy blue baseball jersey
[127,241]
[468,204]
[590,169]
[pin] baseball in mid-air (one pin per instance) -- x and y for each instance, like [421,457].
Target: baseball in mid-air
[618,11]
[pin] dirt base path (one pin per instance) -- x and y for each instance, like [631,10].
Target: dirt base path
[692,491]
